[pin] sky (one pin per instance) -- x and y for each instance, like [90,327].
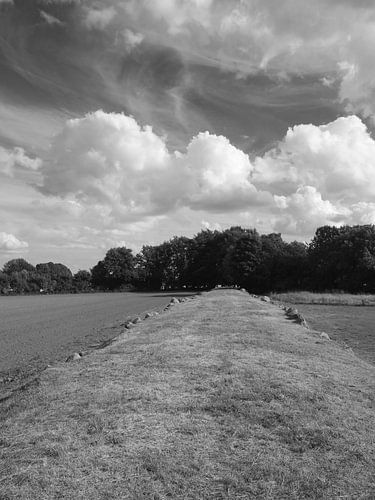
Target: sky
[126,122]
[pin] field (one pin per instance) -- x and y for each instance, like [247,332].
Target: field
[37,330]
[350,324]
[346,318]
[220,397]
[343,299]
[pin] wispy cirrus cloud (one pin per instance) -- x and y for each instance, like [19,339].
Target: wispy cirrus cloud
[222,112]
[50,19]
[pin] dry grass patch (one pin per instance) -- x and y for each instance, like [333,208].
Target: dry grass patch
[342,299]
[220,398]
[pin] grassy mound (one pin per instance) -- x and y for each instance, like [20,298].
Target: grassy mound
[219,397]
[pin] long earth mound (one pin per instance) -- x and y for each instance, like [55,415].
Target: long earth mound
[221,396]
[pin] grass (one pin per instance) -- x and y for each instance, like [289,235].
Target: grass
[343,299]
[221,397]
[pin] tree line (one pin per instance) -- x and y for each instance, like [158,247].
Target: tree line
[337,258]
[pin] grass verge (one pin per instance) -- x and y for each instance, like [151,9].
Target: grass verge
[221,397]
[342,299]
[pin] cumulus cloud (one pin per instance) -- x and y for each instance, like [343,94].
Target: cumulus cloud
[305,210]
[218,175]
[9,243]
[338,159]
[99,19]
[316,175]
[132,39]
[109,159]
[320,175]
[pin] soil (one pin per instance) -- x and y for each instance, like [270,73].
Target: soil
[36,331]
[354,325]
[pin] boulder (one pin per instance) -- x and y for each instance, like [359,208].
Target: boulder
[292,312]
[325,336]
[301,320]
[174,301]
[73,357]
[265,298]
[137,320]
[148,315]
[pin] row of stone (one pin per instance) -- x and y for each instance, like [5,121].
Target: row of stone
[132,323]
[291,313]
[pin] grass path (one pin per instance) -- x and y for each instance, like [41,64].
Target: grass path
[220,397]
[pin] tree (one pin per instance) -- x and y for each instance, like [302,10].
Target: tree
[4,282]
[17,265]
[82,281]
[98,275]
[115,270]
[343,258]
[21,275]
[55,277]
[205,266]
[151,263]
[243,258]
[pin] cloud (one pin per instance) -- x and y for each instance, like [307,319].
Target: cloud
[99,19]
[327,40]
[338,159]
[16,160]
[305,210]
[132,39]
[218,175]
[108,159]
[174,13]
[316,175]
[50,19]
[9,243]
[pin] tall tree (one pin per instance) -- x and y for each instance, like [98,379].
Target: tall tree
[17,265]
[115,270]
[55,277]
[82,281]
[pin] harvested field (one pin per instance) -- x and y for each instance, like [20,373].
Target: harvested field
[331,299]
[221,397]
[37,330]
[350,324]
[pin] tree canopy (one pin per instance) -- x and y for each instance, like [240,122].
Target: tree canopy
[337,258]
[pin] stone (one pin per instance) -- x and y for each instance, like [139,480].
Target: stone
[265,298]
[137,320]
[73,357]
[148,315]
[325,336]
[301,320]
[129,325]
[292,313]
[174,301]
